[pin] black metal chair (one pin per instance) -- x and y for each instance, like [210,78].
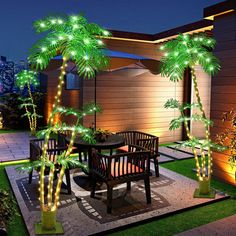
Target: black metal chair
[147,141]
[36,149]
[121,168]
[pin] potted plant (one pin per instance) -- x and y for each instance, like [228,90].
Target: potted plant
[101,135]
[228,137]
[187,51]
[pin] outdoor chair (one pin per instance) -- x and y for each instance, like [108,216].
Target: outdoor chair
[36,146]
[121,168]
[61,138]
[147,141]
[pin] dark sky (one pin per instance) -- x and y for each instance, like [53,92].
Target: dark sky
[144,16]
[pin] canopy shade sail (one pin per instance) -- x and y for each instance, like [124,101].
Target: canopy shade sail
[118,60]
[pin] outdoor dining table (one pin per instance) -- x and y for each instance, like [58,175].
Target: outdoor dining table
[113,141]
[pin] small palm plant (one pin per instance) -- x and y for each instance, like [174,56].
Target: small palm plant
[28,78]
[181,53]
[78,41]
[228,137]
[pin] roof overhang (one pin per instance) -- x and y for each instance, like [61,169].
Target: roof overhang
[219,9]
[192,28]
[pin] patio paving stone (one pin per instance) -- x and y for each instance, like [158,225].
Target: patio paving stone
[175,154]
[14,146]
[171,192]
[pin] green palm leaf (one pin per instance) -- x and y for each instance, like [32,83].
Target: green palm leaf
[186,51]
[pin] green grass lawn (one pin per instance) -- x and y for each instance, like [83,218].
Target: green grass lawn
[16,227]
[166,226]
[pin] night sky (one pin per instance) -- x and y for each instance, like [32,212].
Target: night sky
[144,16]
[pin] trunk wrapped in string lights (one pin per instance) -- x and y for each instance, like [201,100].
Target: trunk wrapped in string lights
[184,52]
[78,41]
[28,78]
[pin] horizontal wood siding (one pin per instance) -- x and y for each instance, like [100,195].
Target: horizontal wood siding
[134,98]
[223,96]
[70,98]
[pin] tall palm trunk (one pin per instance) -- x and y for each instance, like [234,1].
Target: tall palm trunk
[207,133]
[34,117]
[46,140]
[62,171]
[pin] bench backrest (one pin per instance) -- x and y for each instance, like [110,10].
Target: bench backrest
[147,141]
[126,166]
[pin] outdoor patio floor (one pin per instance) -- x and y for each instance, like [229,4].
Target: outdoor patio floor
[171,193]
[14,146]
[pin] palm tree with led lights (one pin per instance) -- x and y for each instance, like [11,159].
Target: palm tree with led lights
[181,53]
[28,78]
[75,40]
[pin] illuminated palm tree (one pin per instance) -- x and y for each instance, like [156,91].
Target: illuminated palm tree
[28,78]
[186,52]
[78,41]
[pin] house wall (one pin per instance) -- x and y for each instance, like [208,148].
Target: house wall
[69,97]
[133,99]
[223,96]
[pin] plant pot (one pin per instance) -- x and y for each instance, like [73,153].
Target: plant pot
[204,186]
[101,137]
[48,219]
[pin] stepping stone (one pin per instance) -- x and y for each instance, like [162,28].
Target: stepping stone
[197,146]
[169,152]
[163,159]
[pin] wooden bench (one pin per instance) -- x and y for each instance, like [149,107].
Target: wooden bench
[147,141]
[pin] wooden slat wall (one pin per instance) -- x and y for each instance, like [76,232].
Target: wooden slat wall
[69,97]
[204,85]
[133,99]
[224,88]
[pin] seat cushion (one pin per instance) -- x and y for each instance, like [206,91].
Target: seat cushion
[117,169]
[123,149]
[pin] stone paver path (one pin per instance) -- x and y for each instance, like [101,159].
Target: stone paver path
[14,146]
[224,227]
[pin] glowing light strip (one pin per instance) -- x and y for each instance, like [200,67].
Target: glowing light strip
[163,39]
[218,14]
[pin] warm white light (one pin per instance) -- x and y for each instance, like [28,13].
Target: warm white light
[86,57]
[43,49]
[100,42]
[73,53]
[86,41]
[105,32]
[60,21]
[42,25]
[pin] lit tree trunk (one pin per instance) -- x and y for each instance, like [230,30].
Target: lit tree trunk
[34,117]
[62,171]
[28,116]
[44,154]
[207,133]
[193,149]
[57,100]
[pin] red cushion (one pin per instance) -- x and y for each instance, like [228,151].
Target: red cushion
[131,169]
[123,148]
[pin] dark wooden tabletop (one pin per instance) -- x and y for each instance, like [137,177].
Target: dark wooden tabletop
[113,141]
